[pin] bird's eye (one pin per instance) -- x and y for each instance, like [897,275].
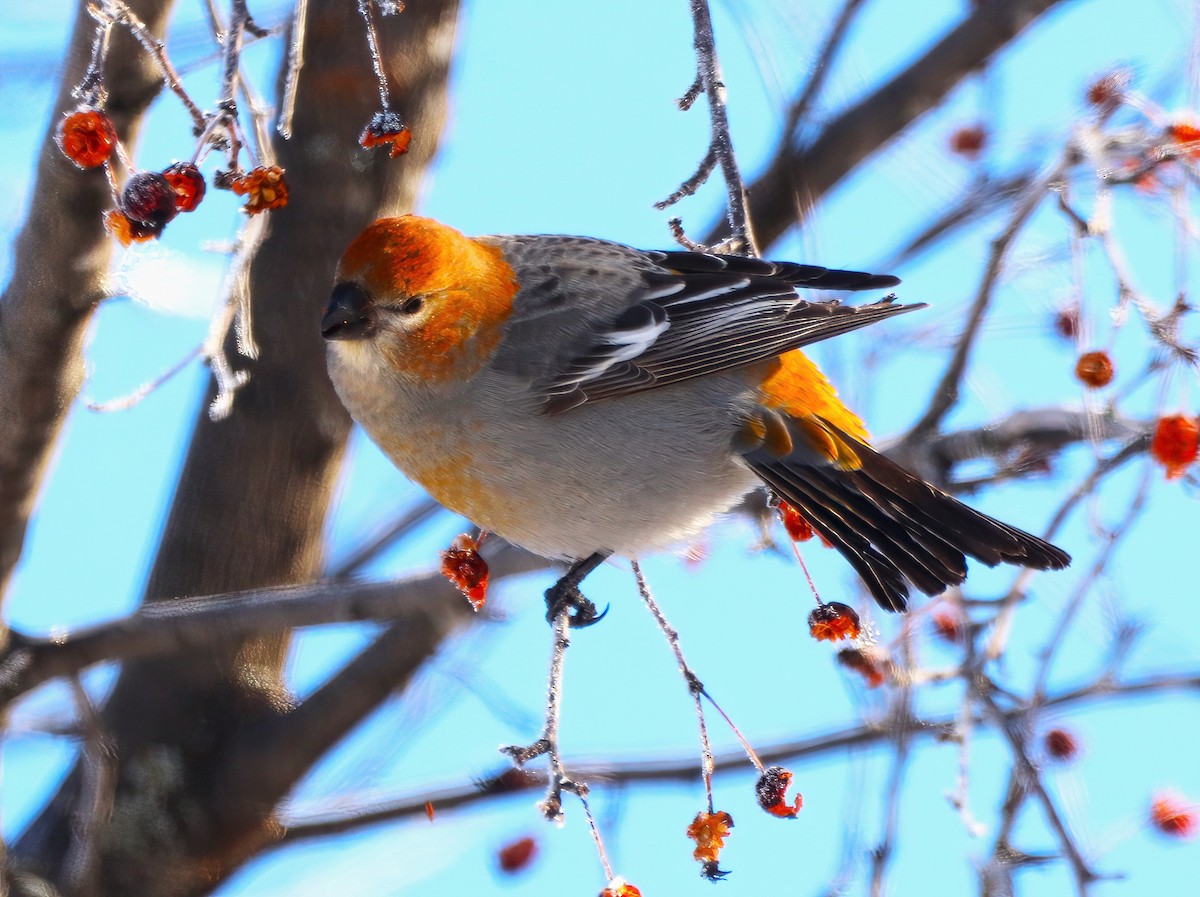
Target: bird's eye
[412,306]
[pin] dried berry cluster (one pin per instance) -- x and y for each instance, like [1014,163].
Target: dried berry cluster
[150,200]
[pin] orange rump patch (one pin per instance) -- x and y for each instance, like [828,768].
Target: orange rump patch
[798,388]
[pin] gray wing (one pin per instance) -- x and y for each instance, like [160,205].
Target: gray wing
[664,317]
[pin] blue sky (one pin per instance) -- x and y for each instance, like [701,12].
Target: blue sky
[563,121]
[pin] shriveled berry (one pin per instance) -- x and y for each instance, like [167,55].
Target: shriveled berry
[466,569]
[386,128]
[833,622]
[1094,369]
[771,789]
[188,183]
[86,137]
[870,663]
[264,188]
[709,831]
[1175,444]
[149,199]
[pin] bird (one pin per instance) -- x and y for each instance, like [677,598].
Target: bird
[585,399]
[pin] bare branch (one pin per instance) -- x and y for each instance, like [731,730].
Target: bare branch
[684,769]
[189,624]
[806,173]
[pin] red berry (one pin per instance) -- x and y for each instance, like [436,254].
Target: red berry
[1066,321]
[798,529]
[1172,816]
[1175,444]
[948,623]
[968,141]
[516,856]
[1108,92]
[1094,369]
[1186,134]
[1061,744]
[188,183]
[86,137]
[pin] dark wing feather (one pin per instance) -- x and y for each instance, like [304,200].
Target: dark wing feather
[701,314]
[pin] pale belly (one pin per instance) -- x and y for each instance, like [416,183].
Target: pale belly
[628,475]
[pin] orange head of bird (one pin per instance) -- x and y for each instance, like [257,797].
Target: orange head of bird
[428,299]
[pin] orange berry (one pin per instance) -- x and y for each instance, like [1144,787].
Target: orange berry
[833,622]
[1172,816]
[709,831]
[264,186]
[968,141]
[1175,443]
[466,569]
[126,231]
[1061,744]
[1094,369]
[188,183]
[771,789]
[517,856]
[386,128]
[86,137]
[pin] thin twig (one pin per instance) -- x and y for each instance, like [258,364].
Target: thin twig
[97,790]
[945,395]
[695,688]
[683,769]
[902,711]
[127,401]
[295,62]
[123,14]
[364,9]
[1031,779]
[822,67]
[708,74]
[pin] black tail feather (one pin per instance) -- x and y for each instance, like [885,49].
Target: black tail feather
[895,528]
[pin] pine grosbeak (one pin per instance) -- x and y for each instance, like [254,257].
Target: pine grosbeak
[582,398]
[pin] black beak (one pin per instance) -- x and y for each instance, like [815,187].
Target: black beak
[347,316]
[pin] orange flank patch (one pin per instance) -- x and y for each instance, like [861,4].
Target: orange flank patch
[799,389]
[466,285]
